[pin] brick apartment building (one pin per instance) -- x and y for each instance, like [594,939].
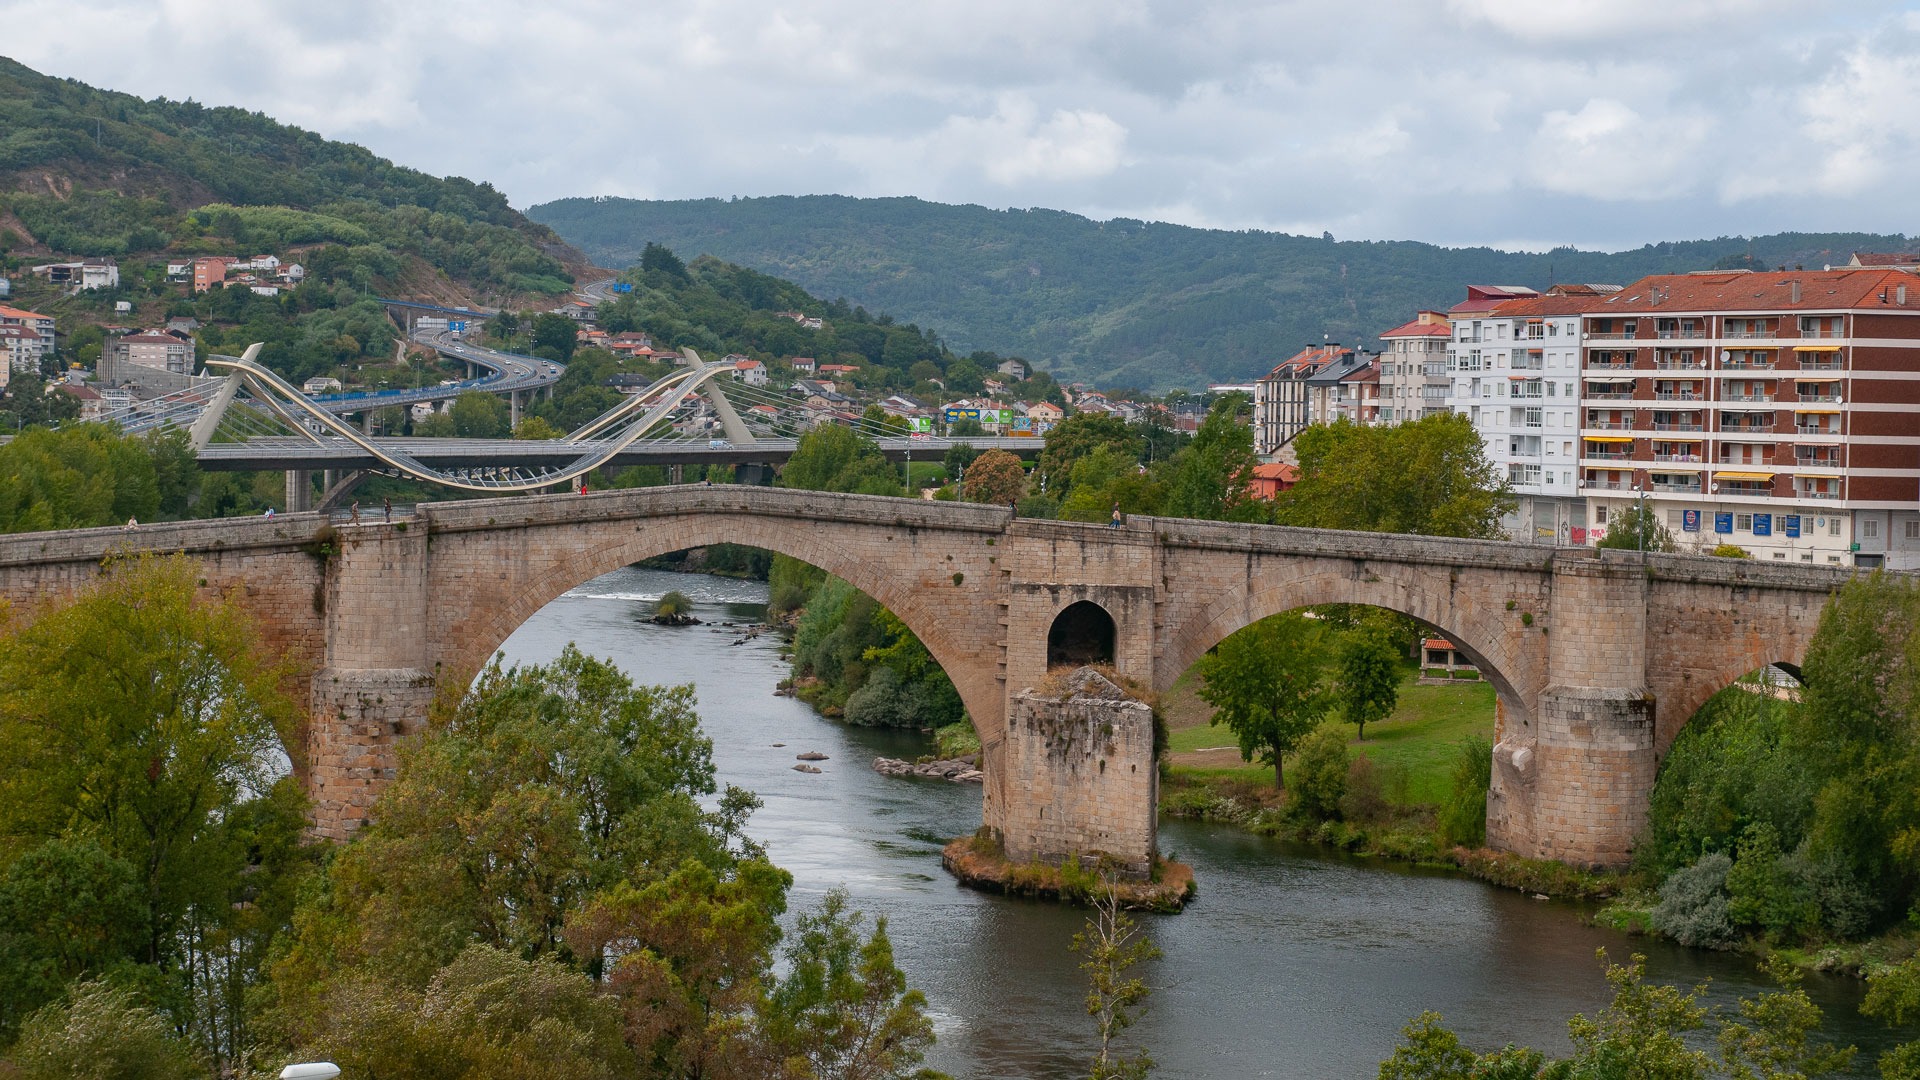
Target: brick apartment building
[1779,412]
[1285,400]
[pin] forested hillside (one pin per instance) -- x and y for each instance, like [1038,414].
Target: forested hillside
[85,171]
[1121,302]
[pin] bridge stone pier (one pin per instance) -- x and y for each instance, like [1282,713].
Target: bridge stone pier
[1597,658]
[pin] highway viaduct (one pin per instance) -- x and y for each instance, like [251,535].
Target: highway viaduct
[1597,658]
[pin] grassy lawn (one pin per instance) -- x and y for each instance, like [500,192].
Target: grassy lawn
[1420,737]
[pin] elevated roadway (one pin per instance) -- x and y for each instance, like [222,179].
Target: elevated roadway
[342,454]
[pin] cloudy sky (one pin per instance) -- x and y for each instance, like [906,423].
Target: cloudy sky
[1518,123]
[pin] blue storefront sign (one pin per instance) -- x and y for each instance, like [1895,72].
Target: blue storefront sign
[1763,524]
[1690,520]
[1790,524]
[1723,523]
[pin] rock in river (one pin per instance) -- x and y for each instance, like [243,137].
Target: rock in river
[811,755]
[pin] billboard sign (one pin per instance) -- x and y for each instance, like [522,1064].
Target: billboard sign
[1690,520]
[1723,523]
[1790,524]
[1763,524]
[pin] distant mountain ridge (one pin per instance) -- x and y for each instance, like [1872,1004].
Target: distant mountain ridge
[1122,302]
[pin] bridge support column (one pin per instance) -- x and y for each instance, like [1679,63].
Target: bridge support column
[513,408]
[1078,777]
[299,491]
[1571,780]
[376,686]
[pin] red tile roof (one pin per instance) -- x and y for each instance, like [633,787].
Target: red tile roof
[1820,290]
[1416,328]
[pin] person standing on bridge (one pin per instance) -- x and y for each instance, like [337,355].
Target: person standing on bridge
[386,508]
[1115,523]
[355,511]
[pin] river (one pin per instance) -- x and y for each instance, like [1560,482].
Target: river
[1291,962]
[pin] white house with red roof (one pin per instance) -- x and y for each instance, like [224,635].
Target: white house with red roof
[751,372]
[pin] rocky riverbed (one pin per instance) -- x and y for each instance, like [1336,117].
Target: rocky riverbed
[958,770]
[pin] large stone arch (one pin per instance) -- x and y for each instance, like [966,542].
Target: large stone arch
[481,624]
[1509,653]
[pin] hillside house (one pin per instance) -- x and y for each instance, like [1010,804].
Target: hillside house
[802,365]
[1014,368]
[751,372]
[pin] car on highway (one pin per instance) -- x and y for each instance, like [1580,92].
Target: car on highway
[719,444]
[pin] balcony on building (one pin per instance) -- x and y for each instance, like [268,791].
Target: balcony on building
[1607,480]
[1609,420]
[1608,447]
[1749,328]
[1817,390]
[1682,450]
[1816,487]
[1666,420]
[1736,359]
[1822,326]
[1527,360]
[1808,421]
[1678,390]
[1815,455]
[1736,454]
[1609,359]
[1612,329]
[1522,387]
[1529,329]
[1740,484]
[1751,391]
[1610,389]
[1819,357]
[1679,328]
[1679,360]
[1747,423]
[1676,483]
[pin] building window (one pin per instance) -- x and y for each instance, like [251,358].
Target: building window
[1599,515]
[1913,530]
[1743,522]
[1673,517]
[1833,529]
[1870,528]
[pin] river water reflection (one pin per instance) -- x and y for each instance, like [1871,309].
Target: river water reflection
[1290,964]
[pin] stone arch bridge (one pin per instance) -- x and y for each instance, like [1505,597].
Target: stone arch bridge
[1597,658]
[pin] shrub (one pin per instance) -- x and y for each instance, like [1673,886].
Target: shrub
[1320,775]
[101,1033]
[885,701]
[674,603]
[1366,798]
[1731,551]
[1463,818]
[1767,890]
[1693,903]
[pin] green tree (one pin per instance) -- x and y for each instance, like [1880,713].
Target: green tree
[1641,1034]
[1893,997]
[542,786]
[1637,527]
[556,332]
[836,458]
[534,427]
[1074,438]
[1369,677]
[102,1032]
[138,730]
[1212,477]
[1114,945]
[87,476]
[504,325]
[1427,477]
[480,415]
[488,1015]
[995,477]
[844,1008]
[1773,1037]
[1264,683]
[437,425]
[658,257]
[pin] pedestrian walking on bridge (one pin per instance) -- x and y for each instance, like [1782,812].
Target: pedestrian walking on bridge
[386,508]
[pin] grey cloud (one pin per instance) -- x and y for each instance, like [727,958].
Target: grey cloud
[1599,122]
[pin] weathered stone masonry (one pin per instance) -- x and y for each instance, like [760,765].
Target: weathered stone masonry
[1596,658]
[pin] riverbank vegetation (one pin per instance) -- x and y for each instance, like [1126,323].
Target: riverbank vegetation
[1650,1031]
[1784,819]
[541,887]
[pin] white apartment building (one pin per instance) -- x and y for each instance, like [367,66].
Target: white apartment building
[1413,369]
[1514,358]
